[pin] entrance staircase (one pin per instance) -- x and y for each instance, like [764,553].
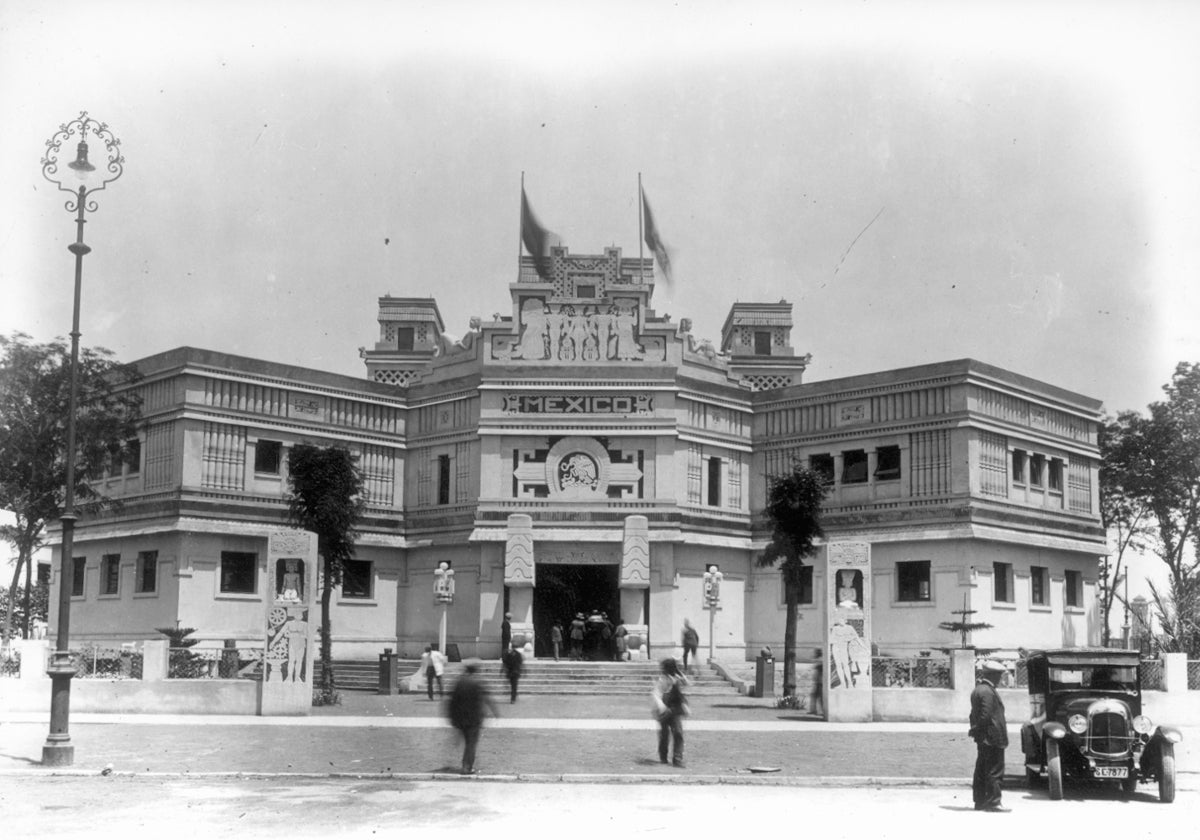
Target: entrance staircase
[543,677]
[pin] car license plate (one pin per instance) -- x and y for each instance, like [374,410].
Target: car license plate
[1112,772]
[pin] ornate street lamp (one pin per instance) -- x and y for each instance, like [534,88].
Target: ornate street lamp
[81,179]
[443,592]
[712,600]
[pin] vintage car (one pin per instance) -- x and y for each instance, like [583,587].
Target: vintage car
[1087,722]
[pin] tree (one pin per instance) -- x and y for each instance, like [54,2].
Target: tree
[794,511]
[326,499]
[1157,464]
[1124,512]
[29,607]
[963,626]
[35,384]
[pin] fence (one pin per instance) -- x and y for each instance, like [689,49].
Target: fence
[1152,675]
[231,662]
[10,663]
[97,663]
[1193,676]
[910,672]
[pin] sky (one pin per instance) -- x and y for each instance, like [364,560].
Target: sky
[1012,182]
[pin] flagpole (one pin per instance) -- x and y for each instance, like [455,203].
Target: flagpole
[520,224]
[641,233]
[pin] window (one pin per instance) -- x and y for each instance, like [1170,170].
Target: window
[805,594]
[133,456]
[762,343]
[1018,466]
[78,568]
[822,465]
[887,463]
[239,572]
[1054,476]
[406,338]
[1002,582]
[357,578]
[1039,579]
[854,466]
[1073,597]
[110,574]
[912,580]
[585,290]
[147,572]
[714,482]
[1037,466]
[267,456]
[443,497]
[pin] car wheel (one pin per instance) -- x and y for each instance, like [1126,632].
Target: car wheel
[1129,783]
[1166,774]
[1054,770]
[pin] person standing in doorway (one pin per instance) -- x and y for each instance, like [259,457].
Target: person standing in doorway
[505,633]
[469,703]
[691,641]
[513,664]
[622,643]
[990,731]
[577,628]
[670,708]
[556,639]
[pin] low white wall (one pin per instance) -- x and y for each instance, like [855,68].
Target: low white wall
[134,697]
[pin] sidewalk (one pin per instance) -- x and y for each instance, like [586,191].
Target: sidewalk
[540,738]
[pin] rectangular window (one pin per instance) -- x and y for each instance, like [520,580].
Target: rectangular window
[1018,466]
[887,463]
[268,455]
[406,338]
[762,343]
[1073,597]
[1054,475]
[1039,585]
[147,572]
[110,574]
[714,482]
[443,496]
[1037,466]
[357,576]
[239,572]
[585,291]
[78,569]
[822,465]
[133,457]
[1002,582]
[854,466]
[912,579]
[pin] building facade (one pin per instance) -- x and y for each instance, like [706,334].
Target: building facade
[583,453]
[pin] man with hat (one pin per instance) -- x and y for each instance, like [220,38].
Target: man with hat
[990,731]
[505,634]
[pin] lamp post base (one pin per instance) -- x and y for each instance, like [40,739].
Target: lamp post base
[58,755]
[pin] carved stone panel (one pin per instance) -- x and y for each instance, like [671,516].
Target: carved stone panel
[635,554]
[519,569]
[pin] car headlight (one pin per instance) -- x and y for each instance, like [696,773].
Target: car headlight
[1077,724]
[1142,725]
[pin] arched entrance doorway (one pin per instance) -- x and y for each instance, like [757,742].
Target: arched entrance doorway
[562,591]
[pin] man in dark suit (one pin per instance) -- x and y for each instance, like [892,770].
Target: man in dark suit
[469,702]
[990,731]
[505,634]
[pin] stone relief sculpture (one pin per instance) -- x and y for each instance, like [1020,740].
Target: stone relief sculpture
[291,581]
[575,332]
[704,347]
[850,654]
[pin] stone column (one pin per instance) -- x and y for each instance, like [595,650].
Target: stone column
[520,576]
[634,581]
[156,657]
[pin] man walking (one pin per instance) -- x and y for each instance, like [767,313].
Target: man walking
[691,641]
[469,700]
[556,639]
[505,633]
[990,731]
[670,707]
[435,667]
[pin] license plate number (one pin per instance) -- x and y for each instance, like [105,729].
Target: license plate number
[1112,772]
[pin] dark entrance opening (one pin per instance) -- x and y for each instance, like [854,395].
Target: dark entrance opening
[566,589]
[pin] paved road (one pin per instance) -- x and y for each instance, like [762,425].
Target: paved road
[298,809]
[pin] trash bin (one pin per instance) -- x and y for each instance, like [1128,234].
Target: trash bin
[389,672]
[764,676]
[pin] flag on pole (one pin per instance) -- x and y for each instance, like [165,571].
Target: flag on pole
[654,241]
[536,238]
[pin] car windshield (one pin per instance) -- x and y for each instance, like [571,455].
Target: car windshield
[1097,677]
